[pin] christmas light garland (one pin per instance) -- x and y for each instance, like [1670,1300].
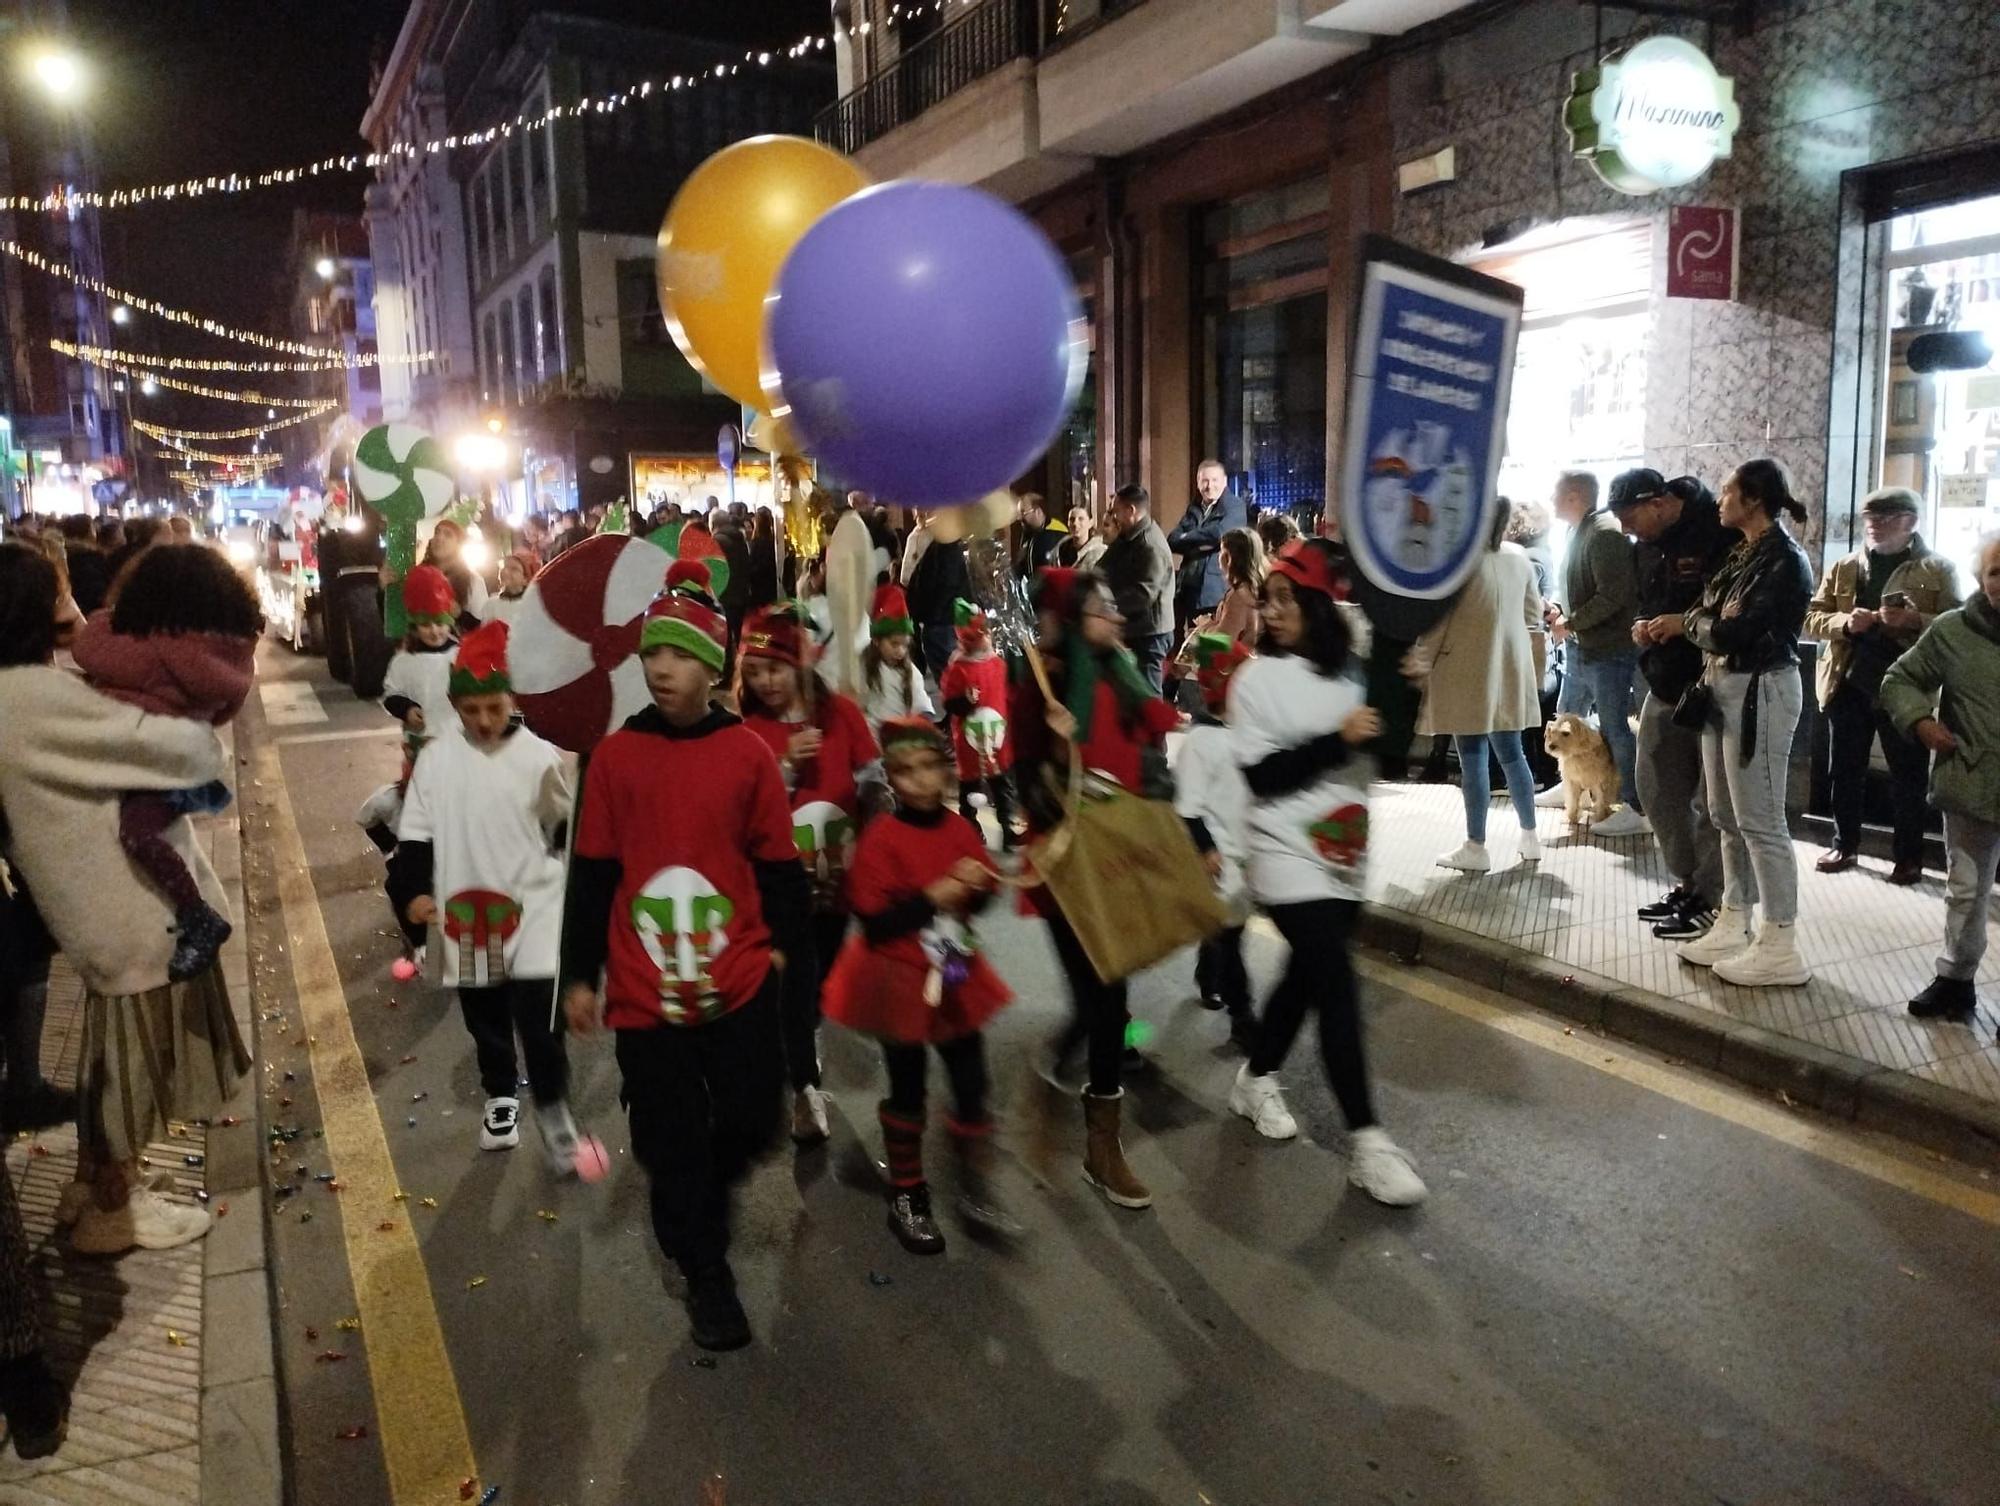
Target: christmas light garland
[260,462]
[215,327]
[196,389]
[254,431]
[63,200]
[103,354]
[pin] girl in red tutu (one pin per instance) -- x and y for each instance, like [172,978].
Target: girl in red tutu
[914,977]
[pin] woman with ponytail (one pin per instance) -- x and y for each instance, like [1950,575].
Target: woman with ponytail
[1747,626]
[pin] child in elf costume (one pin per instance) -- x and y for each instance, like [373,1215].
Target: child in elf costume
[833,776]
[891,687]
[1211,797]
[687,899]
[974,691]
[478,845]
[914,977]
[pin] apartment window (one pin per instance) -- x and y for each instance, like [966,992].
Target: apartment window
[524,314]
[505,389]
[490,358]
[515,156]
[551,335]
[538,145]
[482,233]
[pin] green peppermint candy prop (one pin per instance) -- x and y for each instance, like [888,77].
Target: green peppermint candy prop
[402,473]
[687,539]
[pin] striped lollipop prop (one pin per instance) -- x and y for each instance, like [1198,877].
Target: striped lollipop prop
[403,474]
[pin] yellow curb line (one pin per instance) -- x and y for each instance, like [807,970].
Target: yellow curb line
[1619,1059]
[419,1417]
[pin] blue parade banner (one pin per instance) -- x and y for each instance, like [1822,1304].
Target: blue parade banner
[1428,384]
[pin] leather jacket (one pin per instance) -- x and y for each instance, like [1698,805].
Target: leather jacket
[1773,582]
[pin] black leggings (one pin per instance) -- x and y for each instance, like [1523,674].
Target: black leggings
[964,1064]
[493,1015]
[1319,975]
[1097,1009]
[802,989]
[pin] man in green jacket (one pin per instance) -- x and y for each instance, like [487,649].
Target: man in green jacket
[1600,601]
[1945,692]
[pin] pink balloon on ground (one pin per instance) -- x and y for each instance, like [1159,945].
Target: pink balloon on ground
[591,1161]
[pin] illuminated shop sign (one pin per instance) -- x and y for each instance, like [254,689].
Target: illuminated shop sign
[1654,116]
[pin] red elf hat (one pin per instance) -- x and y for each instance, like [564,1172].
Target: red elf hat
[427,595]
[775,632]
[685,617]
[1217,656]
[480,665]
[889,617]
[1307,566]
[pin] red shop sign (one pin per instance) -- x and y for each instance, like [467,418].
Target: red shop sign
[1702,244]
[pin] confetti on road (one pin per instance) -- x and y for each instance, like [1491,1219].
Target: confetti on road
[176,1338]
[348,1435]
[349,1325]
[475,1283]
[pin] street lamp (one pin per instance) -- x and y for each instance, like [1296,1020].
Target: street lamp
[324,266]
[58,72]
[120,314]
[149,387]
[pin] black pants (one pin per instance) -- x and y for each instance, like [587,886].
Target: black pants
[1319,975]
[999,791]
[493,1015]
[358,651]
[964,1066]
[1219,971]
[26,948]
[1854,721]
[703,1103]
[802,986]
[1098,1014]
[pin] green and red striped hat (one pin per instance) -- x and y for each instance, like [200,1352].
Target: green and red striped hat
[889,617]
[685,617]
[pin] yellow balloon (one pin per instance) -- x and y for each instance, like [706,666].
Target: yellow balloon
[775,436]
[727,232]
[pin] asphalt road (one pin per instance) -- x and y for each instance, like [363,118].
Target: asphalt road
[1632,1283]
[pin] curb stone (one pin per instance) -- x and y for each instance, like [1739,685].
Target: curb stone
[1925,1113]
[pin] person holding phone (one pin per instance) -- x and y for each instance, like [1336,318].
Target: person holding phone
[1870,608]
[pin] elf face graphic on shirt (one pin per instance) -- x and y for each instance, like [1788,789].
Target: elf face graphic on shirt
[986,733]
[681,920]
[1341,835]
[479,921]
[824,834]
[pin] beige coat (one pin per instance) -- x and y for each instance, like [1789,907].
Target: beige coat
[66,754]
[1481,664]
[1929,580]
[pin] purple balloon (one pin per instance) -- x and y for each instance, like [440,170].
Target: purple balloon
[927,341]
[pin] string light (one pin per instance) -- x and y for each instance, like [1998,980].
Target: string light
[64,200]
[255,431]
[335,361]
[195,389]
[179,316]
[253,462]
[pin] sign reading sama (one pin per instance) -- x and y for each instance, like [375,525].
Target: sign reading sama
[1701,252]
[1426,419]
[1654,116]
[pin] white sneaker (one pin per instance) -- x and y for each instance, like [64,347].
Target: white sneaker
[1262,1102]
[146,1222]
[75,1197]
[1383,1169]
[1554,798]
[558,1127]
[809,1122]
[1530,850]
[1469,858]
[1771,961]
[1729,935]
[501,1128]
[1623,822]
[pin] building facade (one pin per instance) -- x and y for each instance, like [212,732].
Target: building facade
[332,300]
[536,286]
[1211,170]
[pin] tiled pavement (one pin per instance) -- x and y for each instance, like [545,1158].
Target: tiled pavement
[167,1407]
[1871,945]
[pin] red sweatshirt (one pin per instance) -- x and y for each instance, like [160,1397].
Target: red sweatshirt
[980,735]
[205,676]
[826,799]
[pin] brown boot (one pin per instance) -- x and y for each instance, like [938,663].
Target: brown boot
[1104,1158]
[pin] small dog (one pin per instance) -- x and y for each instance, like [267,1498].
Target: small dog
[1589,776]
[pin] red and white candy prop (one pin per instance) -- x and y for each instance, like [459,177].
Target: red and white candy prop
[572,651]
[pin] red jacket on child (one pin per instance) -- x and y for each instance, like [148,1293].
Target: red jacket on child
[980,735]
[909,974]
[205,676]
[826,795]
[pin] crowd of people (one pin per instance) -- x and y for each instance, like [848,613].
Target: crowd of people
[849,836]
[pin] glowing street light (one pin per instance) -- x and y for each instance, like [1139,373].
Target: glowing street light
[59,73]
[324,266]
[120,314]
[149,387]
[481,452]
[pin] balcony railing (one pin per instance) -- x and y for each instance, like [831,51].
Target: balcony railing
[982,41]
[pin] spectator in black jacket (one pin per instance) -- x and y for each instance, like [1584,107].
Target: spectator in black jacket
[89,567]
[935,575]
[1681,543]
[1140,569]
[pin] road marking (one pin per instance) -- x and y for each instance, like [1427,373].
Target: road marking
[420,1418]
[290,703]
[293,739]
[1734,1103]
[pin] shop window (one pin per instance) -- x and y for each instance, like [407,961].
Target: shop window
[1263,314]
[1940,430]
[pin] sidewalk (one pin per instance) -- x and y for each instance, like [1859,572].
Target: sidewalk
[1562,935]
[169,1352]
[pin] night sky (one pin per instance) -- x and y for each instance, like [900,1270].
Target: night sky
[185,88]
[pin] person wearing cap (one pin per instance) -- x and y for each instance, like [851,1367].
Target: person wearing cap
[1298,728]
[1600,599]
[1870,607]
[686,904]
[1139,568]
[1681,543]
[1945,694]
